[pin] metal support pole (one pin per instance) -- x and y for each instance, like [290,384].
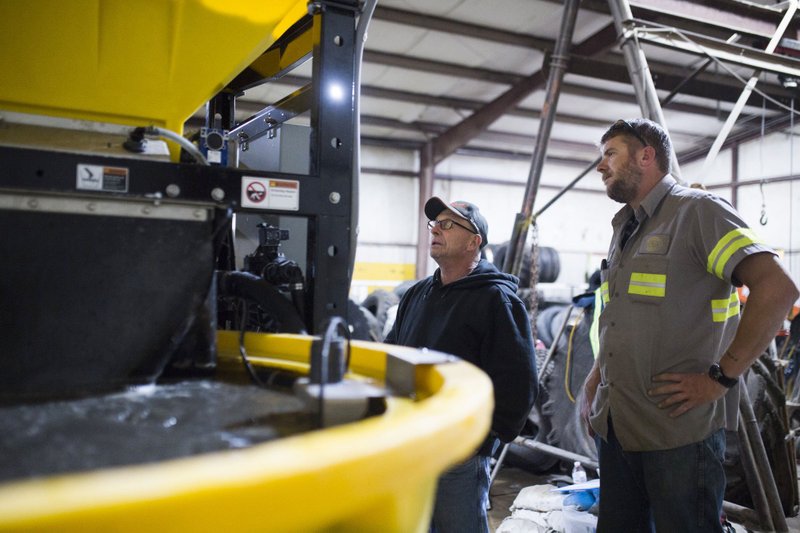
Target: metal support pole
[664,103]
[593,164]
[751,477]
[499,463]
[558,64]
[761,466]
[426,168]
[639,71]
[741,515]
[557,452]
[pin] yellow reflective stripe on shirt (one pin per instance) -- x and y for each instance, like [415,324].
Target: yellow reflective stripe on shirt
[594,329]
[725,308]
[648,284]
[604,292]
[728,245]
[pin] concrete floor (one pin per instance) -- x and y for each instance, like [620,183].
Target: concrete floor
[510,481]
[506,486]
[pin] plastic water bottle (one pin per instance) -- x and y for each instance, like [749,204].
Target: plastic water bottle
[578,473]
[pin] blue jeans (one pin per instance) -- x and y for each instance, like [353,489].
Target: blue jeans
[667,490]
[462,494]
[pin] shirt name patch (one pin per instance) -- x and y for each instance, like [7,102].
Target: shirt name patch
[655,244]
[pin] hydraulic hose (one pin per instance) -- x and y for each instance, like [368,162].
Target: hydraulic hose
[255,288]
[182,141]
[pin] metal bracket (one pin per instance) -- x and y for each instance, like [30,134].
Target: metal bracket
[402,363]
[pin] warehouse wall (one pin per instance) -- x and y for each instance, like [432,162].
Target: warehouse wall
[577,225]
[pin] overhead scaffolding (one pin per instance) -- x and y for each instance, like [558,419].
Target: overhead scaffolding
[641,78]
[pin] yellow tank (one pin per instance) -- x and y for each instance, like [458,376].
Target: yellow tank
[378,474]
[138,63]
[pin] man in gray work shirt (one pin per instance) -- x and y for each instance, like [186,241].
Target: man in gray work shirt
[672,343]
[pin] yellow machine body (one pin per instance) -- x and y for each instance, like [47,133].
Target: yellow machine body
[138,63]
[378,474]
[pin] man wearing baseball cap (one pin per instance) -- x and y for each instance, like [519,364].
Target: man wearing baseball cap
[470,309]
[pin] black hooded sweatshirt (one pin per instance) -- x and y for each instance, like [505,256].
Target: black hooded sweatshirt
[480,319]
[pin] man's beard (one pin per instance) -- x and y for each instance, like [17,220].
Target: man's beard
[625,184]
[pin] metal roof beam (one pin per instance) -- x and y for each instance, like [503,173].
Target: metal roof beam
[465,29]
[461,133]
[463,103]
[715,17]
[745,134]
[667,79]
[703,46]
[670,74]
[488,135]
[722,17]
[600,94]
[441,67]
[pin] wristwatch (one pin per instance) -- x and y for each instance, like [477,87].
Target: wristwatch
[715,373]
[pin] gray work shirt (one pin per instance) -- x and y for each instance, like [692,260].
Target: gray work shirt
[670,305]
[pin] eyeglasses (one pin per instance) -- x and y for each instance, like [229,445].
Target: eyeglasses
[626,126]
[446,224]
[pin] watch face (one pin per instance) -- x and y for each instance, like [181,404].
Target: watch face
[715,372]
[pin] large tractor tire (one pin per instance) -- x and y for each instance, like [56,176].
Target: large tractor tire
[555,418]
[549,264]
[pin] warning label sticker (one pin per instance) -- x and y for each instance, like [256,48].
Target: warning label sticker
[266,193]
[101,178]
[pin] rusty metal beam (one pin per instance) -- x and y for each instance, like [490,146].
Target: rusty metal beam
[461,133]
[469,128]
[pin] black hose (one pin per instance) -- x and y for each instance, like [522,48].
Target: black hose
[255,288]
